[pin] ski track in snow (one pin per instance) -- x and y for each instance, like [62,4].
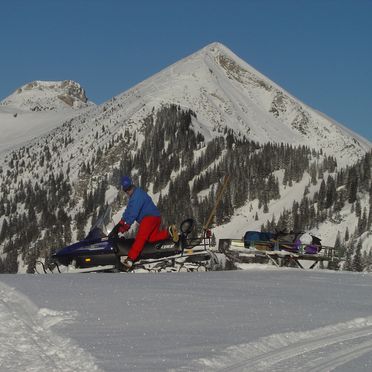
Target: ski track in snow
[322,349]
[28,343]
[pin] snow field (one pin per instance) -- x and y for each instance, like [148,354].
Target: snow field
[259,319]
[27,341]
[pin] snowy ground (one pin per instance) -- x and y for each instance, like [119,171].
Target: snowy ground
[256,320]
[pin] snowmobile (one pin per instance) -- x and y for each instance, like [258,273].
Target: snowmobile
[101,251]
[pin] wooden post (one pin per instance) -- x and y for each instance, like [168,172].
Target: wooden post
[218,200]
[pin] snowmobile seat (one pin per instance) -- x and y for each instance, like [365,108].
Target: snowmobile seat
[161,248]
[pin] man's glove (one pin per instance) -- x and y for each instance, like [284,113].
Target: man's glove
[123,227]
[127,265]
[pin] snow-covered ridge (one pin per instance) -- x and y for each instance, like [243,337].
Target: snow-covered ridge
[47,95]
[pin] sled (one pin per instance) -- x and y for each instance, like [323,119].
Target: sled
[280,248]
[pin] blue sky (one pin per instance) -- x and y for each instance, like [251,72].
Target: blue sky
[318,50]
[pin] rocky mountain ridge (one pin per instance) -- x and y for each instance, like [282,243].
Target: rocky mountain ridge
[47,96]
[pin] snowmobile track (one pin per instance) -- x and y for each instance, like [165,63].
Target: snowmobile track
[283,356]
[340,357]
[322,349]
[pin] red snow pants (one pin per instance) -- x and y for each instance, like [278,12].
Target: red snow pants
[148,231]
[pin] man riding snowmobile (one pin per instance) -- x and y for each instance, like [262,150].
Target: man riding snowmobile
[142,209]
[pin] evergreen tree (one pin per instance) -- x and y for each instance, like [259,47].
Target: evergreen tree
[358,208]
[352,185]
[368,261]
[4,230]
[313,173]
[357,264]
[330,192]
[369,219]
[11,261]
[338,246]
[362,222]
[346,238]
[348,265]
[322,195]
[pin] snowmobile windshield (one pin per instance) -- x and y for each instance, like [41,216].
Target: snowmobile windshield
[99,229]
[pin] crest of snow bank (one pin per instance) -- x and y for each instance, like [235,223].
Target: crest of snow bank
[27,341]
[320,349]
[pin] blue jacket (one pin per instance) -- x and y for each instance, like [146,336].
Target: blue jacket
[139,206]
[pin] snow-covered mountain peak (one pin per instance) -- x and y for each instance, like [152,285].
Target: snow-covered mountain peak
[47,96]
[226,92]
[233,66]
[216,48]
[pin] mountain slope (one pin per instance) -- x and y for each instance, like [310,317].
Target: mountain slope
[19,127]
